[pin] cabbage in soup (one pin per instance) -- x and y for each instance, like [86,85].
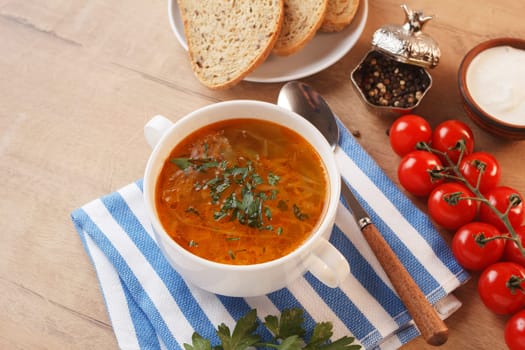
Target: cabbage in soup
[242,191]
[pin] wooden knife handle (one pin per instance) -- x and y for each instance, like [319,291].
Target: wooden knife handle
[432,328]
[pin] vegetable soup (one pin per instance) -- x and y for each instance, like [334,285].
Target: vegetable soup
[242,191]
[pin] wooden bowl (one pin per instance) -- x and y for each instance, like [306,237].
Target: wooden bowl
[485,120]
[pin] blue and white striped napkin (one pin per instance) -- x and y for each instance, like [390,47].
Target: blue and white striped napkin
[151,306]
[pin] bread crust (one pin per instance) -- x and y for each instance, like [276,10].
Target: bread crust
[225,42]
[300,25]
[339,15]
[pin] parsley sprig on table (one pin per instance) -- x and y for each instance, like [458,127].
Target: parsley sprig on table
[288,334]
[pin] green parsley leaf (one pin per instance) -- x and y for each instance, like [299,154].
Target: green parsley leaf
[242,336]
[207,164]
[320,339]
[199,164]
[298,214]
[257,179]
[289,324]
[322,332]
[192,210]
[239,173]
[219,215]
[273,179]
[222,187]
[272,324]
[290,343]
[182,163]
[345,343]
[199,343]
[267,212]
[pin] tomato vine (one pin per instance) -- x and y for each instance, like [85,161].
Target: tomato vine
[451,171]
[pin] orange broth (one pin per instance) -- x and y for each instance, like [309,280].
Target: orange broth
[242,191]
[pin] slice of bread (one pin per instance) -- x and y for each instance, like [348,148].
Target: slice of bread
[302,19]
[228,39]
[339,14]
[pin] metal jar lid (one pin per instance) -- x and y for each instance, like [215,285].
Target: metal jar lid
[407,43]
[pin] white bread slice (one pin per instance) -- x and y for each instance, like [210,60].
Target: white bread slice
[228,39]
[339,15]
[302,19]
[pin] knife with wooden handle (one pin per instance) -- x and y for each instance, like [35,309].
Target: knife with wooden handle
[431,326]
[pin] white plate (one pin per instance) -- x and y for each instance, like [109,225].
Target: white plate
[324,50]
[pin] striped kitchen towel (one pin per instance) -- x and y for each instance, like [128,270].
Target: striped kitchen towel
[152,307]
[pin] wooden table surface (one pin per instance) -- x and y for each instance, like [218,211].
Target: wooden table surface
[79,79]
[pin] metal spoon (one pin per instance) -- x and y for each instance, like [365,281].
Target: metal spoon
[304,100]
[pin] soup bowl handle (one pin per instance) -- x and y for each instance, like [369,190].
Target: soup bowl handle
[155,128]
[327,264]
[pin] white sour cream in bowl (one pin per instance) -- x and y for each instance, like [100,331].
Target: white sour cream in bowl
[496,82]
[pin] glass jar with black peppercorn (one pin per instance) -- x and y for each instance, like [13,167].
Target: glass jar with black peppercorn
[392,76]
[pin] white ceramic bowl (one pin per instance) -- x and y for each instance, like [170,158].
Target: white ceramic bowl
[316,254]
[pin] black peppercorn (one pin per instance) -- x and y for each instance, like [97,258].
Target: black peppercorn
[389,83]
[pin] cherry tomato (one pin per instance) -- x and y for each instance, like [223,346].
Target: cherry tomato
[447,134]
[469,253]
[451,215]
[512,252]
[499,287]
[499,197]
[515,331]
[413,172]
[471,166]
[407,131]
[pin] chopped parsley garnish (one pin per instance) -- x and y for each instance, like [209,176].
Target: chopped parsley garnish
[244,202]
[192,210]
[298,214]
[273,179]
[198,164]
[232,253]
